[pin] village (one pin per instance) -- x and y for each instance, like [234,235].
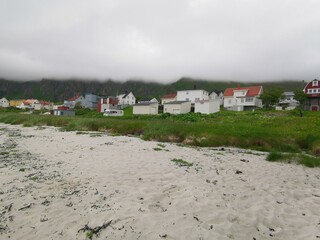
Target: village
[183,101]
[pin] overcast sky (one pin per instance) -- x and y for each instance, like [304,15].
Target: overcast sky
[160,40]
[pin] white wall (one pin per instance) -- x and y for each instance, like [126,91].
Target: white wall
[130,99]
[207,107]
[146,109]
[177,108]
[192,95]
[4,102]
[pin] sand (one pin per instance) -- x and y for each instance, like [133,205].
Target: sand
[55,185]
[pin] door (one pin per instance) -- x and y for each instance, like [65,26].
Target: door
[314,108]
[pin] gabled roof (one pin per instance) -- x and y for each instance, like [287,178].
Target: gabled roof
[74,98]
[169,95]
[251,91]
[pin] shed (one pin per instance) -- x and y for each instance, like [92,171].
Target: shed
[177,107]
[207,106]
[146,108]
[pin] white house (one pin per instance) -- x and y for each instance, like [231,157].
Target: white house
[207,106]
[126,99]
[71,102]
[177,107]
[4,102]
[217,95]
[146,108]
[192,95]
[242,98]
[170,97]
[288,102]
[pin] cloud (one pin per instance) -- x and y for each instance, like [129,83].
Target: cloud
[161,40]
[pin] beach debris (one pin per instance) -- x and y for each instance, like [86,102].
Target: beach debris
[9,207]
[244,160]
[25,207]
[238,172]
[95,230]
[163,235]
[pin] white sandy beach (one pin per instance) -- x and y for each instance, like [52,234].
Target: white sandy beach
[53,183]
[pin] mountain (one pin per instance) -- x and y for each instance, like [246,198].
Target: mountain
[59,90]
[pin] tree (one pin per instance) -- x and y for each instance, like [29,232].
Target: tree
[271,97]
[78,105]
[301,97]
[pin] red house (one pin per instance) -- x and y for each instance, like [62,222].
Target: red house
[312,89]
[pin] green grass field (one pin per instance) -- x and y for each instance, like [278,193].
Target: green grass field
[282,132]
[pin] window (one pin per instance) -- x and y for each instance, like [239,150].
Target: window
[314,90]
[315,83]
[242,100]
[318,90]
[187,93]
[249,99]
[229,101]
[309,90]
[197,99]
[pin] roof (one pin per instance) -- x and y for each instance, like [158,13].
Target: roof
[145,103]
[169,95]
[74,98]
[176,102]
[251,91]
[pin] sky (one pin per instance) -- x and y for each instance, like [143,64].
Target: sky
[160,40]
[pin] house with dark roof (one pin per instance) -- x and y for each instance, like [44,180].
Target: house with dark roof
[126,99]
[242,98]
[312,89]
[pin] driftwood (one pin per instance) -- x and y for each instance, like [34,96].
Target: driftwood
[95,230]
[23,208]
[74,192]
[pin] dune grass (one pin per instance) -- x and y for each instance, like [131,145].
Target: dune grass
[260,130]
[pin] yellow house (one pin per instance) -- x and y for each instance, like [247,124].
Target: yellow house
[15,103]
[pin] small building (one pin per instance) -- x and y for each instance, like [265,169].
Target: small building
[4,102]
[170,97]
[217,95]
[207,106]
[192,95]
[63,111]
[15,102]
[242,98]
[46,105]
[177,107]
[126,99]
[312,89]
[288,102]
[90,101]
[108,104]
[146,108]
[71,102]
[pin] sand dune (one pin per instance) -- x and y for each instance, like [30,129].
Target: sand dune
[55,183]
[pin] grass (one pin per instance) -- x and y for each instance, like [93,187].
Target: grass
[270,131]
[303,159]
[182,163]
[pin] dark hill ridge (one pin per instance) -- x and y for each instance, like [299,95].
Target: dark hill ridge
[59,90]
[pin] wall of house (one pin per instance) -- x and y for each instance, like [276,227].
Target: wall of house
[177,108]
[207,107]
[149,109]
[106,106]
[4,102]
[166,100]
[230,102]
[192,95]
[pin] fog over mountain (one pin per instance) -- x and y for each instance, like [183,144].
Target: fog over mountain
[250,40]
